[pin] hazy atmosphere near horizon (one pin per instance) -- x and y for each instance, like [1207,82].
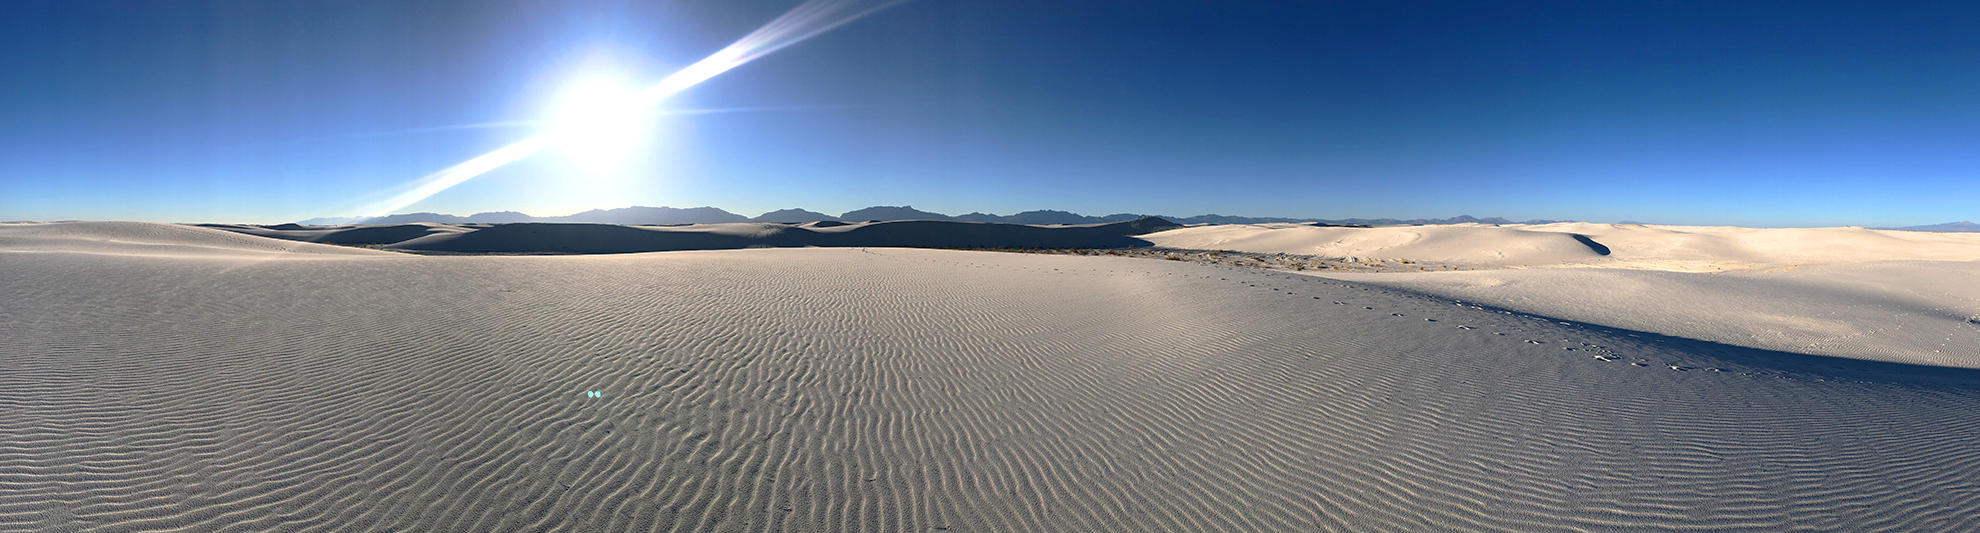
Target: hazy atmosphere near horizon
[1761,114]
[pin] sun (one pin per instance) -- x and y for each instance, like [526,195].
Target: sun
[601,122]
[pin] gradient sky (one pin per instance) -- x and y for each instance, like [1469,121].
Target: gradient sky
[1796,113]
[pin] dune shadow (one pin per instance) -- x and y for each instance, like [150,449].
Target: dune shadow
[1809,365]
[1590,243]
[1757,361]
[375,234]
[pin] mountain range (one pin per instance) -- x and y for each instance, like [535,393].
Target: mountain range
[711,215]
[1949,227]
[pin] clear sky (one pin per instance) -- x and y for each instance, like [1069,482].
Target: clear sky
[1794,113]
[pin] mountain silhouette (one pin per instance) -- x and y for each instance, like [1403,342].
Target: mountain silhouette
[637,215]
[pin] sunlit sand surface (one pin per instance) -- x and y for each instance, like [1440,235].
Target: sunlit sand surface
[1577,244]
[171,378]
[1899,296]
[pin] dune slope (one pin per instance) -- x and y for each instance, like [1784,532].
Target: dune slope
[913,390]
[1473,244]
[1917,312]
[1630,246]
[1896,296]
[611,238]
[154,239]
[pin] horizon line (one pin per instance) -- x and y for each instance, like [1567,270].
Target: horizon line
[1377,220]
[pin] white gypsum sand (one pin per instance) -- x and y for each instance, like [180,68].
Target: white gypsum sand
[1574,244]
[1918,312]
[256,387]
[1897,296]
[610,238]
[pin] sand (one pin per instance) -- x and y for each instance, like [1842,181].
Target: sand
[1474,244]
[1583,245]
[1896,296]
[153,379]
[609,238]
[155,240]
[1918,312]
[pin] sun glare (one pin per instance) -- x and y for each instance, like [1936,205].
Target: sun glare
[604,126]
[601,122]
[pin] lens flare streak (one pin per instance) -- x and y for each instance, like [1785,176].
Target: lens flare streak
[442,180]
[803,22]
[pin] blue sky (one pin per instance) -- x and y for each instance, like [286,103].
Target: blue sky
[1746,113]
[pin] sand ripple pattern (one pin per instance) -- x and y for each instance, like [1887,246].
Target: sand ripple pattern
[914,390]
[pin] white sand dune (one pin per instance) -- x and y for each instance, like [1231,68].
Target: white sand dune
[351,234]
[895,389]
[1710,248]
[1897,296]
[1671,248]
[611,238]
[1918,312]
[142,238]
[1470,244]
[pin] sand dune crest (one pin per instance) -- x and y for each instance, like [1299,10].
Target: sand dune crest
[1678,248]
[154,239]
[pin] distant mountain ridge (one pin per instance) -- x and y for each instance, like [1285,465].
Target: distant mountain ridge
[793,215]
[1949,227]
[888,212]
[711,215]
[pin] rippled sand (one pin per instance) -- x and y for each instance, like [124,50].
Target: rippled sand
[154,379]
